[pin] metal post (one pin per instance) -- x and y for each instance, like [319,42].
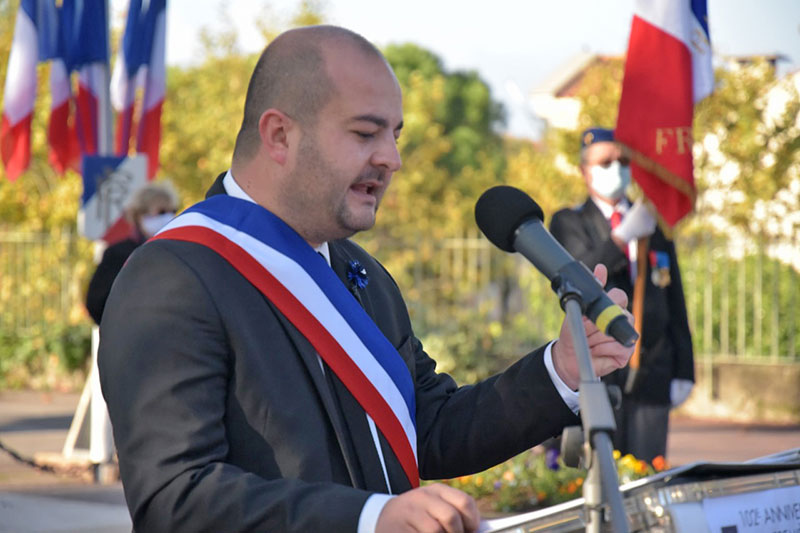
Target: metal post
[100,435]
[601,488]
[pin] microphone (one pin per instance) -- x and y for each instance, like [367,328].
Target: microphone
[512,221]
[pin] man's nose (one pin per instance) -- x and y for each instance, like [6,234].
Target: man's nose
[388,156]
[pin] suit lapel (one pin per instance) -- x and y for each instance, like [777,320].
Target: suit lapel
[355,416]
[347,417]
[322,383]
[596,223]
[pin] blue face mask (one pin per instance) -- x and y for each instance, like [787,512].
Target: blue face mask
[610,182]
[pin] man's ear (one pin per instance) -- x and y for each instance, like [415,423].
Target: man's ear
[273,128]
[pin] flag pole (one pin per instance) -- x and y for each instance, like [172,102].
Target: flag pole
[101,441]
[638,310]
[104,134]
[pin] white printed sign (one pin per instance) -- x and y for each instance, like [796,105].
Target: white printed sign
[768,511]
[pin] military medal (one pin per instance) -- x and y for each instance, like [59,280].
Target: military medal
[659,268]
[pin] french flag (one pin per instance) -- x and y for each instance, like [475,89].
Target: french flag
[668,69]
[83,46]
[73,36]
[88,54]
[35,39]
[141,65]
[61,132]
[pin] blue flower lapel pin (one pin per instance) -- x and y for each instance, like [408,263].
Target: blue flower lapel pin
[357,275]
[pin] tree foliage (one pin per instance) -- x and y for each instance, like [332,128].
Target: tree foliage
[450,148]
[750,134]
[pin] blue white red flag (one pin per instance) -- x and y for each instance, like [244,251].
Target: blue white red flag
[281,265]
[667,70]
[35,39]
[141,65]
[73,36]
[88,54]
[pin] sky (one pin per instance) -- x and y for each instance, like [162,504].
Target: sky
[509,43]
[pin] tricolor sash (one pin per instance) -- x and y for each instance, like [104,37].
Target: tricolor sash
[299,282]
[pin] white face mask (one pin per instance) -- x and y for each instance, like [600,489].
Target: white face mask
[610,182]
[150,224]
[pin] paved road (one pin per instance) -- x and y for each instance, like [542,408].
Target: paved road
[34,501]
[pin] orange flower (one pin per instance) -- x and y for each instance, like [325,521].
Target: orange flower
[572,487]
[659,463]
[541,495]
[508,475]
[464,480]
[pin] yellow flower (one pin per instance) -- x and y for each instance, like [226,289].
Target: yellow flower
[479,481]
[628,461]
[508,475]
[464,480]
[617,455]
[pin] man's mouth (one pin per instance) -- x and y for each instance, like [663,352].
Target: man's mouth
[365,188]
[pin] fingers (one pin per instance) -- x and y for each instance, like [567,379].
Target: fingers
[601,273]
[431,508]
[619,297]
[467,518]
[607,354]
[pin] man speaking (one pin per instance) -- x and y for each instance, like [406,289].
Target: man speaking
[260,369]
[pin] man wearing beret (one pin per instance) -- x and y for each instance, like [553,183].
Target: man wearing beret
[606,229]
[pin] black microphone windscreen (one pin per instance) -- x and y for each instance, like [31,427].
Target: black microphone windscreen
[501,210]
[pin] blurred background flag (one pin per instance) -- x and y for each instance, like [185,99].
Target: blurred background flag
[73,36]
[667,70]
[141,65]
[35,39]
[87,22]
[61,132]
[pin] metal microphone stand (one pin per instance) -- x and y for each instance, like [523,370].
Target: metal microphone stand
[601,488]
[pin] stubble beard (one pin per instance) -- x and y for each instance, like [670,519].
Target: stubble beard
[321,216]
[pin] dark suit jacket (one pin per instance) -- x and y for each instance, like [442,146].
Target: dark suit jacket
[224,421]
[105,274]
[666,340]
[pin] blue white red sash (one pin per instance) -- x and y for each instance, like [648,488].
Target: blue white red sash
[298,281]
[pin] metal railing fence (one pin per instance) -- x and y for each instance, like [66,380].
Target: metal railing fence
[743,308]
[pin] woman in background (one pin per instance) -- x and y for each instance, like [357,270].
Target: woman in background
[150,208]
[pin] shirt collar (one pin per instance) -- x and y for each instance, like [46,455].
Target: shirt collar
[233,189]
[608,209]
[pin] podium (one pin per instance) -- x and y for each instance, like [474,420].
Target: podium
[762,495]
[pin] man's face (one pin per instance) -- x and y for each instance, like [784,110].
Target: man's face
[345,160]
[599,159]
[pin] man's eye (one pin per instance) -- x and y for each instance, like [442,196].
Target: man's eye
[365,134]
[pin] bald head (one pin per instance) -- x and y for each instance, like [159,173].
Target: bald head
[291,76]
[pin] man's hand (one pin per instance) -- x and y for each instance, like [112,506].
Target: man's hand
[607,354]
[435,508]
